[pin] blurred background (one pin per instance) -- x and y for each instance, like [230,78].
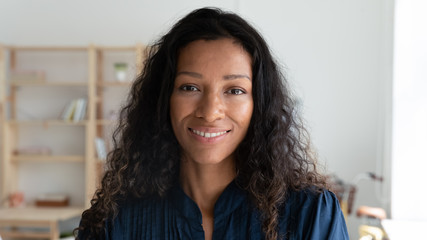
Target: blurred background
[357,69]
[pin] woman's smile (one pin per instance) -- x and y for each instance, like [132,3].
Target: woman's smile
[208,136]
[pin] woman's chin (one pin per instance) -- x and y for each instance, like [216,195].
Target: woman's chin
[209,160]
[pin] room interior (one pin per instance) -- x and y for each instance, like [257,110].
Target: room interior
[355,67]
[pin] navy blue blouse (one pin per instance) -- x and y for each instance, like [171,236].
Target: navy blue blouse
[305,215]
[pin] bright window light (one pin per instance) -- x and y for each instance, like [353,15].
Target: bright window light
[409,154]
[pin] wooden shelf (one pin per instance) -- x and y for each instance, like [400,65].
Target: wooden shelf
[47,48]
[116,48]
[114,84]
[47,158]
[73,48]
[105,122]
[39,213]
[47,122]
[20,234]
[48,84]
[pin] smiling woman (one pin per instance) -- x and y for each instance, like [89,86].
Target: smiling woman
[209,146]
[210,108]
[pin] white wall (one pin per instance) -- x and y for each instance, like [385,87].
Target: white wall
[337,55]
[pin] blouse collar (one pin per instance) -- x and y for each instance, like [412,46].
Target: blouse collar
[231,198]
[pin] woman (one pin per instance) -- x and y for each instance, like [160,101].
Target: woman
[209,146]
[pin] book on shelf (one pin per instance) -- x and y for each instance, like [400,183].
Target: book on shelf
[80,110]
[75,110]
[69,109]
[101,150]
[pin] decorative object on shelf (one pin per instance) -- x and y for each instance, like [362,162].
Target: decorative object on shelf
[120,69]
[16,199]
[52,200]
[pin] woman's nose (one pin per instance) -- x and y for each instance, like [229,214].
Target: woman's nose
[211,107]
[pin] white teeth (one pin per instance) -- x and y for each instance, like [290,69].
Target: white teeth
[208,135]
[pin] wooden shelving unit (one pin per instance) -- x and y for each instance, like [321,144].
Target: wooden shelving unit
[101,115]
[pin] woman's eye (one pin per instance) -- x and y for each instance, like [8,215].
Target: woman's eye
[189,88]
[236,91]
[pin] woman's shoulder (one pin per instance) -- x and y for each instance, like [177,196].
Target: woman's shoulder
[310,195]
[311,200]
[314,212]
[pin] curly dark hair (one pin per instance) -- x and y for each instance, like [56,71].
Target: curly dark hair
[274,157]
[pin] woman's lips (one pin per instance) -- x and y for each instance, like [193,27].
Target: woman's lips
[207,134]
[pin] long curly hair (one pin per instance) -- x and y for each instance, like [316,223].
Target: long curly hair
[274,158]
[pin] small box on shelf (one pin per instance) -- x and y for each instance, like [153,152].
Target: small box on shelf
[52,200]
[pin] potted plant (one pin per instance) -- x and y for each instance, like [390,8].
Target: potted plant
[120,69]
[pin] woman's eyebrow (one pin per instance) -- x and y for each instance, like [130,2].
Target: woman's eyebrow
[226,77]
[236,76]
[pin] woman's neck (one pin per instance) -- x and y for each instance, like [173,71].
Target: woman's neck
[205,183]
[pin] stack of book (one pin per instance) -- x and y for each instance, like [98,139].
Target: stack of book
[75,110]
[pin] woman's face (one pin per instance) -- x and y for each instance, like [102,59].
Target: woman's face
[211,104]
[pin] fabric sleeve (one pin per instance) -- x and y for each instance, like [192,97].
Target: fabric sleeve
[327,219]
